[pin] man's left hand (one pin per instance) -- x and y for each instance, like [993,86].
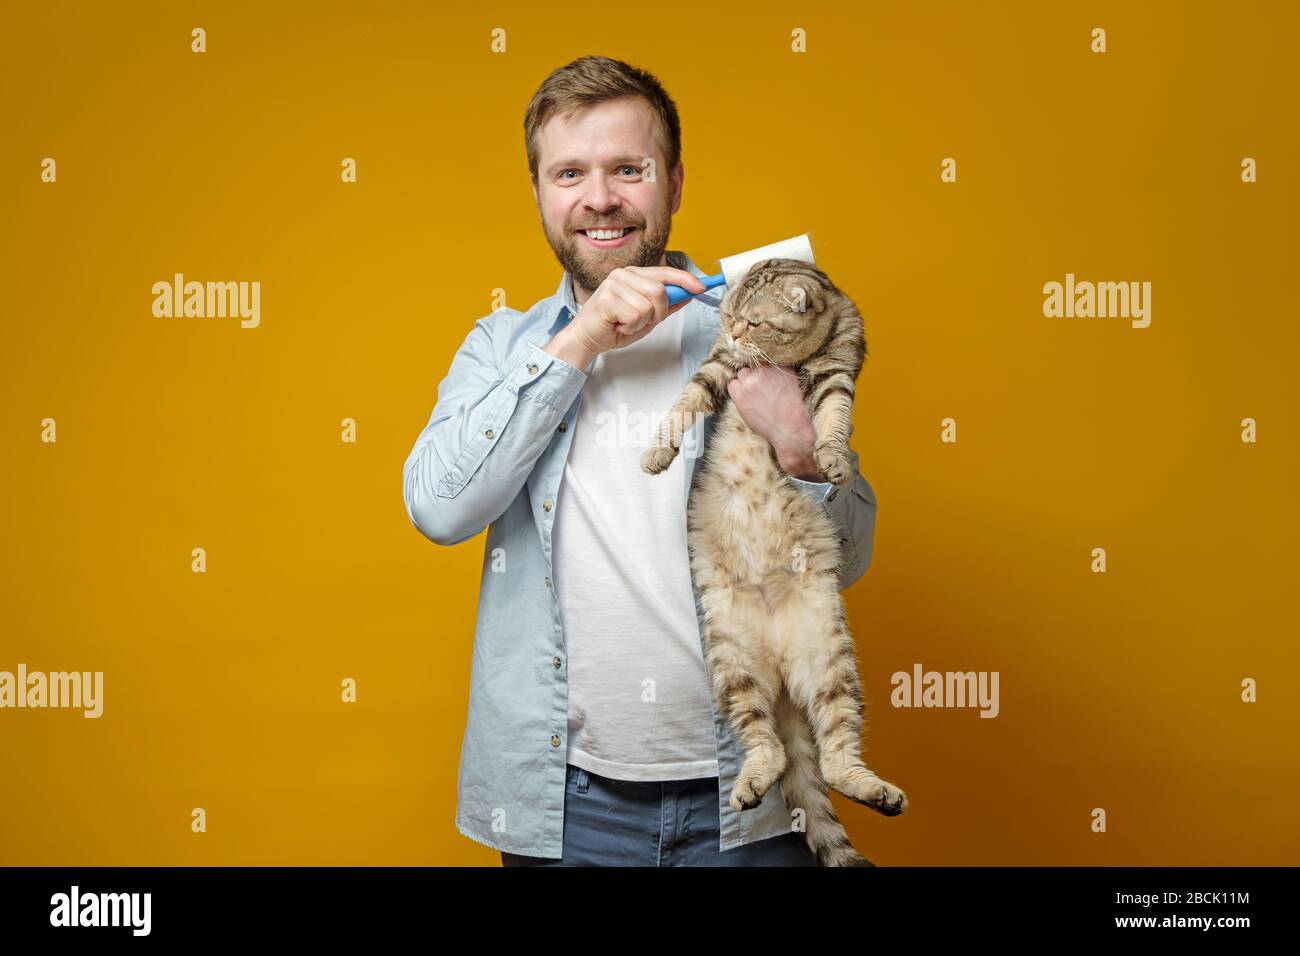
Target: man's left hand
[770,401]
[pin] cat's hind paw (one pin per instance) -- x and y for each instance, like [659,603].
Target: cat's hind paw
[863,786]
[760,770]
[887,800]
[655,460]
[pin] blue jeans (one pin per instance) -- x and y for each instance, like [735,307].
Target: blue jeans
[611,822]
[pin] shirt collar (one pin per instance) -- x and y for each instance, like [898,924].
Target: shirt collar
[566,305]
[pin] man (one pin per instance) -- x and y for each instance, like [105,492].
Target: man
[591,736]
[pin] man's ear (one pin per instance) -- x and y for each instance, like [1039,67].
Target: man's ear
[678,177]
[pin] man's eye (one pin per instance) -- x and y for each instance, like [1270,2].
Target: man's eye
[636,170]
[562,174]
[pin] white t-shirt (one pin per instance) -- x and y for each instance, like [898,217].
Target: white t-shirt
[638,690]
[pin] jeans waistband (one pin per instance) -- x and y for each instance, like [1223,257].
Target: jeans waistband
[582,778]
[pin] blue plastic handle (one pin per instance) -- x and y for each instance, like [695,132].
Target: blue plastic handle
[677,294]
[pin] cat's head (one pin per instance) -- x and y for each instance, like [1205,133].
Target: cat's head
[784,310]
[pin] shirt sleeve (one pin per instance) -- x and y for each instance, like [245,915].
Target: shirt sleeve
[852,507]
[489,426]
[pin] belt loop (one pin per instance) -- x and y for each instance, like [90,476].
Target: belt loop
[584,780]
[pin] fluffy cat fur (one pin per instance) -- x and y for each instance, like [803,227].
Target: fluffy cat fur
[767,559]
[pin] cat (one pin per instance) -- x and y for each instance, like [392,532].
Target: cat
[767,559]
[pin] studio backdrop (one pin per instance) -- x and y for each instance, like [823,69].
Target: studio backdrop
[1071,231]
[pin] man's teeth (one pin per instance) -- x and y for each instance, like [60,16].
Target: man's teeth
[606,233]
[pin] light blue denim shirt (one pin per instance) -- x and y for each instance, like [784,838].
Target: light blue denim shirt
[493,455]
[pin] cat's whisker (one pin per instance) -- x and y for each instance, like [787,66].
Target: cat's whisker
[768,359]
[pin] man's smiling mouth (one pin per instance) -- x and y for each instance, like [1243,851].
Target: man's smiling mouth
[608,238]
[607,233]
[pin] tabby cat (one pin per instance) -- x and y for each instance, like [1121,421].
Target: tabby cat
[767,559]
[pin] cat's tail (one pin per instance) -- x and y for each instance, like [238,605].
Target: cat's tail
[804,789]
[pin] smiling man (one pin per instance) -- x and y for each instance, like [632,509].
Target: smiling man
[591,736]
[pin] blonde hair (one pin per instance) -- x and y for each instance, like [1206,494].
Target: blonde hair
[590,80]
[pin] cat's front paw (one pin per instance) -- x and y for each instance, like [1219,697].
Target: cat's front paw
[832,460]
[655,460]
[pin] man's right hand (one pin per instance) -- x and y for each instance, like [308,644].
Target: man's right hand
[628,304]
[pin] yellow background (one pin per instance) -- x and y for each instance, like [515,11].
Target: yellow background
[1118,690]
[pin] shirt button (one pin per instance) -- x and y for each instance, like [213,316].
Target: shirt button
[546,505]
[564,427]
[555,740]
[488,433]
[556,662]
[532,369]
[548,582]
[831,496]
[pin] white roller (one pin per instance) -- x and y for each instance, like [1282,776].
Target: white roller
[736,267]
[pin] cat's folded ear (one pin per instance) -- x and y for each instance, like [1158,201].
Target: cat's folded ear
[805,293]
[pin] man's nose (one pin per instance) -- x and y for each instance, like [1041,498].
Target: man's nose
[600,198]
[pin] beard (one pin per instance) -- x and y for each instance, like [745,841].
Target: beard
[590,266]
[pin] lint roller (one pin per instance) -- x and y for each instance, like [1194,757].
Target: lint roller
[735,268]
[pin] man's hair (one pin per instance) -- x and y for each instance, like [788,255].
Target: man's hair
[589,80]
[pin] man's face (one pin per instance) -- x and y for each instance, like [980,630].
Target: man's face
[592,172]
